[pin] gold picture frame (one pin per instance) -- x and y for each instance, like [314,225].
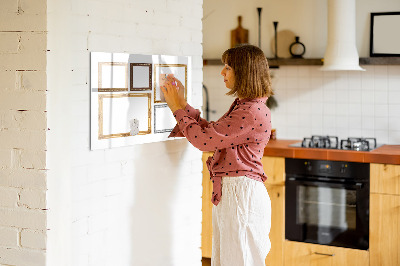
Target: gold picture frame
[100,88]
[155,77]
[123,134]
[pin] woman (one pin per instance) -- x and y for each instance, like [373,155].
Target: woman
[242,208]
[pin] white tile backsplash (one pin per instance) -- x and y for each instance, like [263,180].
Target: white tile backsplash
[343,103]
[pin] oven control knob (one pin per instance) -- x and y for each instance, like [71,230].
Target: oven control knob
[343,168]
[308,166]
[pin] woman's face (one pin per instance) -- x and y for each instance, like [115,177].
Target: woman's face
[229,76]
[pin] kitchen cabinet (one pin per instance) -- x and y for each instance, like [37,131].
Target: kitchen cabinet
[385,215]
[206,225]
[274,168]
[305,254]
[385,178]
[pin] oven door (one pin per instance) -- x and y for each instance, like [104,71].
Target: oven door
[327,213]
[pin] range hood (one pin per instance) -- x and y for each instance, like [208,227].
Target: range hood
[341,51]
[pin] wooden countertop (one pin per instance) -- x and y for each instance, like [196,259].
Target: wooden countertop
[389,154]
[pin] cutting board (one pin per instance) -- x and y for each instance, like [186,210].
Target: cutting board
[239,35]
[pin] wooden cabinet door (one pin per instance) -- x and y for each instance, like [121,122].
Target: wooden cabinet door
[384,236]
[385,178]
[274,168]
[206,226]
[304,254]
[277,233]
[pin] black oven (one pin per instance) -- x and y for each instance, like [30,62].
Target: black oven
[327,202]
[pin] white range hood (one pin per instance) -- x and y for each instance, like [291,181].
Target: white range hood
[341,51]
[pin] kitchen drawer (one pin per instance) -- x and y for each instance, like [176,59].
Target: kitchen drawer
[305,254]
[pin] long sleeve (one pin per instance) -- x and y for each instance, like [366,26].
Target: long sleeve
[193,113]
[231,130]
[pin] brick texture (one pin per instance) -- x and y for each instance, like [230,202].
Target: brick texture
[23,125]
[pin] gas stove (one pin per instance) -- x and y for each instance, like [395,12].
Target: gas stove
[332,142]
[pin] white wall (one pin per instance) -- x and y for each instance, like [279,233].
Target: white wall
[306,19]
[311,102]
[23,133]
[137,205]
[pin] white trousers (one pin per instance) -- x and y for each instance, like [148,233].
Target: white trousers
[241,223]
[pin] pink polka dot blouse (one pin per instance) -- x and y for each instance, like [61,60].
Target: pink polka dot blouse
[238,139]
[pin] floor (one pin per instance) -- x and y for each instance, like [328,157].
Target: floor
[206,261]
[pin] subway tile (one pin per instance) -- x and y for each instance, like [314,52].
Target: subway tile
[394,83]
[382,136]
[329,94]
[394,123]
[304,72]
[394,110]
[316,83]
[382,110]
[355,96]
[394,136]
[355,109]
[329,122]
[368,122]
[367,133]
[291,71]
[303,82]
[394,97]
[381,123]
[342,122]
[355,122]
[354,80]
[355,132]
[342,82]
[380,71]
[342,109]
[342,96]
[329,109]
[367,82]
[380,97]
[292,82]
[316,72]
[367,110]
[394,71]
[367,96]
[317,107]
[380,84]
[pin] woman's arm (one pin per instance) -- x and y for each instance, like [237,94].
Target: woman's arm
[239,127]
[175,96]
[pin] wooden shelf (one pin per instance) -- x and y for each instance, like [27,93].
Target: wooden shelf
[380,61]
[274,63]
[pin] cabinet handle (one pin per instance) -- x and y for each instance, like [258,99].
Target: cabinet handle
[324,254]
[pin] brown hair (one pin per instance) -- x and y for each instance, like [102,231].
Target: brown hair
[250,66]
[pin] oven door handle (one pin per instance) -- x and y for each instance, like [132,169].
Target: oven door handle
[357,185]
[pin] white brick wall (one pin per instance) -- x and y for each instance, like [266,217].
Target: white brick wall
[23,132]
[138,205]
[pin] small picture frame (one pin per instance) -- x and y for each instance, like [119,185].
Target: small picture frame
[141,76]
[113,77]
[164,120]
[384,35]
[161,71]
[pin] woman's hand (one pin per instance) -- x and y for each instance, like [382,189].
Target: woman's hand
[181,92]
[173,93]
